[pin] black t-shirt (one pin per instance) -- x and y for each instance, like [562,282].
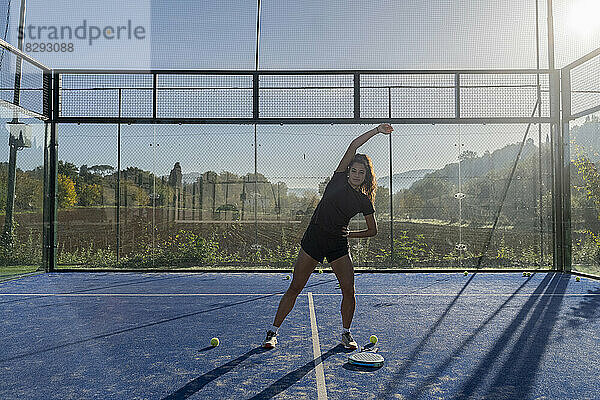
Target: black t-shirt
[340,202]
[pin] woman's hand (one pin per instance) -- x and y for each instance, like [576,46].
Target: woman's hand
[385,129]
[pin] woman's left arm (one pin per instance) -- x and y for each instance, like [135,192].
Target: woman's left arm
[370,231]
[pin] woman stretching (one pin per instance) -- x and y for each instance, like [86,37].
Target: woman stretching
[351,190]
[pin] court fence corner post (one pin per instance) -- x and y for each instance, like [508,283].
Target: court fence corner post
[557,170]
[50,207]
[565,89]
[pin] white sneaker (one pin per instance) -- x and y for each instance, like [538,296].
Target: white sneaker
[270,340]
[348,341]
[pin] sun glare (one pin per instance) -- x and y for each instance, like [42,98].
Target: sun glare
[584,17]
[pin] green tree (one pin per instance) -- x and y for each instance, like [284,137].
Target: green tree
[67,196]
[90,195]
[136,196]
[467,154]
[407,204]
[67,169]
[382,200]
[29,192]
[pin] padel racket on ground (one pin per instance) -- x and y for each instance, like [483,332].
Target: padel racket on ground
[366,358]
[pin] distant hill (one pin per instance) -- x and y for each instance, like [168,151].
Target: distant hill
[478,166]
[403,180]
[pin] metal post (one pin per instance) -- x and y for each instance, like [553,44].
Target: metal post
[391,184]
[52,198]
[357,96]
[118,194]
[539,100]
[50,209]
[566,169]
[555,137]
[256,114]
[45,206]
[457,95]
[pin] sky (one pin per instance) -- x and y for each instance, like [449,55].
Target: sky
[294,35]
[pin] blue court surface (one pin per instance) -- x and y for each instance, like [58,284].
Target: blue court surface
[443,336]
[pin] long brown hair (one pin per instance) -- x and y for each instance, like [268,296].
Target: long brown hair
[369,186]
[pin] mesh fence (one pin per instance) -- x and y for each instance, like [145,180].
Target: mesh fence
[173,195]
[408,96]
[585,86]
[584,144]
[101,95]
[208,96]
[189,195]
[33,86]
[24,96]
[585,194]
[316,96]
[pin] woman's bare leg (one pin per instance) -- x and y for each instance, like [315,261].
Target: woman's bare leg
[303,267]
[344,271]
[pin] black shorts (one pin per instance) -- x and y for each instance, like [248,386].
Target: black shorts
[320,245]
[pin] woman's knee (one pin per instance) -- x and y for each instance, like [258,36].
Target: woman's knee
[347,289]
[295,288]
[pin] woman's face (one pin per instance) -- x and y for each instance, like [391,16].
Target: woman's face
[357,174]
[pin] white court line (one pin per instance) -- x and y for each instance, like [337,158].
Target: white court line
[321,388]
[312,294]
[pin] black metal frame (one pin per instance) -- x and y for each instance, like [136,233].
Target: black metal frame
[563,170]
[257,119]
[559,83]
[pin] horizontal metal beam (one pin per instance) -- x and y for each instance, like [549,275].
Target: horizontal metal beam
[583,113]
[8,105]
[208,88]
[581,60]
[303,72]
[24,56]
[316,121]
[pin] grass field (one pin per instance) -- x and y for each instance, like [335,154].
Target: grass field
[8,272]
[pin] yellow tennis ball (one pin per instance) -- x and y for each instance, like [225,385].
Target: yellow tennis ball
[287,277]
[373,339]
[577,279]
[214,342]
[320,271]
[466,273]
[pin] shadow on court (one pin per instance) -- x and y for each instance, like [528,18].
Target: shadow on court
[197,384]
[91,289]
[588,310]
[515,378]
[134,328]
[397,379]
[146,325]
[277,387]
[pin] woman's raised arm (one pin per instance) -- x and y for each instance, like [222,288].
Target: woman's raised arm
[359,141]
